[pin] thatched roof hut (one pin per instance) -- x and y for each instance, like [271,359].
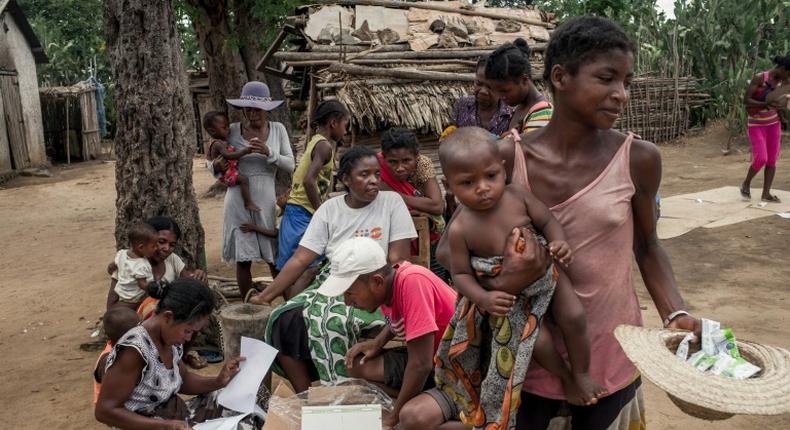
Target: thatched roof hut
[396,63]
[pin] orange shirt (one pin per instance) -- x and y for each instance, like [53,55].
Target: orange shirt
[96,385]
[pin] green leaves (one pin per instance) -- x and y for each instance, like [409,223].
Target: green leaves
[724,42]
[71,32]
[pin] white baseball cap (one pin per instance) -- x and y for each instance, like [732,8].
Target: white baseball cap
[354,257]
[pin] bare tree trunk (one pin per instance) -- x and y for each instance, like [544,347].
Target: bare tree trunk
[251,53]
[226,70]
[154,141]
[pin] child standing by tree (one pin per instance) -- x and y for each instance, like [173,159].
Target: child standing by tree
[507,321]
[216,124]
[312,179]
[134,269]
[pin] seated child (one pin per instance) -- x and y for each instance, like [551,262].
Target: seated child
[476,175]
[134,269]
[116,321]
[216,124]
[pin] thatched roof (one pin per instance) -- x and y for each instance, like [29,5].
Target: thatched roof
[396,63]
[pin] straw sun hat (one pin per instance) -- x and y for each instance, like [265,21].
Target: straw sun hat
[702,394]
[255,95]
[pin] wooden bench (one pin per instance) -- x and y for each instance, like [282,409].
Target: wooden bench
[423,257]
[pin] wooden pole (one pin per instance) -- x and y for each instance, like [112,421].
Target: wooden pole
[429,54]
[362,61]
[433,6]
[361,48]
[426,63]
[367,82]
[68,144]
[279,73]
[401,73]
[312,102]
[272,48]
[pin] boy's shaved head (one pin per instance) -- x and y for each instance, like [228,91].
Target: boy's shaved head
[466,144]
[117,321]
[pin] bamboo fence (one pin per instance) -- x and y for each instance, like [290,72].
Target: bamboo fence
[70,113]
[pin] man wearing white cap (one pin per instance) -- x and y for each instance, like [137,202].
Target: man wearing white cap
[408,294]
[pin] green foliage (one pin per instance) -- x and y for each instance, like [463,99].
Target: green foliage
[270,14]
[191,55]
[722,42]
[71,32]
[726,42]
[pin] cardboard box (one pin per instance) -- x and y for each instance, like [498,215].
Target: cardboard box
[285,409]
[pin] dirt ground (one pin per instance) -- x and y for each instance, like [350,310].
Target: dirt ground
[58,236]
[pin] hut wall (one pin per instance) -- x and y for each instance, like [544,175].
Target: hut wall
[25,65]
[82,120]
[90,125]
[5,149]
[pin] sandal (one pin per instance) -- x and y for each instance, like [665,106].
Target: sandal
[771,199]
[746,193]
[211,356]
[194,360]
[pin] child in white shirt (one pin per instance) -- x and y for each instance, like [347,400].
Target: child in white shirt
[134,271]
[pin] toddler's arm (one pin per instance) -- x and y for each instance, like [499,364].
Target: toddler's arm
[494,302]
[228,155]
[545,222]
[143,284]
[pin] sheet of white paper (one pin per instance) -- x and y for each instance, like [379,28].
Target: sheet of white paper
[785,215]
[229,423]
[345,417]
[240,393]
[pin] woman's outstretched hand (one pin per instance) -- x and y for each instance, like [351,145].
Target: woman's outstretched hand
[229,370]
[520,266]
[258,299]
[199,275]
[176,425]
[687,322]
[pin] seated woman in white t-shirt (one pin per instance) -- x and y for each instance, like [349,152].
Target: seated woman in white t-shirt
[312,331]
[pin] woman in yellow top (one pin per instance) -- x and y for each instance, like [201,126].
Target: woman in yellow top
[312,179]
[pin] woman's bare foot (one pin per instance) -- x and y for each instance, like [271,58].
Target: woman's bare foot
[581,390]
[746,193]
[252,207]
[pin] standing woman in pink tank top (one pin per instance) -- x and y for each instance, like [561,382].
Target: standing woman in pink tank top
[764,128]
[601,185]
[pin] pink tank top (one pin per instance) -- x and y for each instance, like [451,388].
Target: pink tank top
[598,222]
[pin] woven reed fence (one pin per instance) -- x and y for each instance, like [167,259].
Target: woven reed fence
[658,109]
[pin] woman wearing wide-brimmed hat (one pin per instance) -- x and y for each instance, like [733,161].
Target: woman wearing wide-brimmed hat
[271,150]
